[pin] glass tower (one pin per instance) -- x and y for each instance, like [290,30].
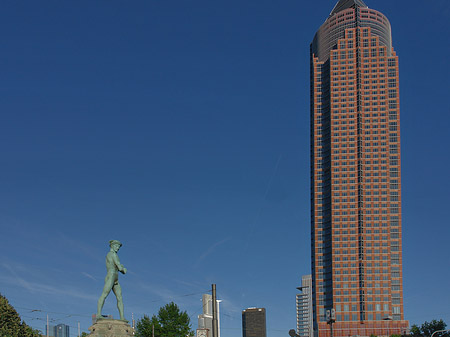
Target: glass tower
[355,175]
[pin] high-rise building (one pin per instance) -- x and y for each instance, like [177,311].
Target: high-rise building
[304,308]
[355,175]
[60,330]
[206,318]
[254,322]
[49,330]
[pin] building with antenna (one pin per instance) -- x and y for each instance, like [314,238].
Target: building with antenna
[205,320]
[356,221]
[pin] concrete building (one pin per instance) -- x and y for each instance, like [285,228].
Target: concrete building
[304,308]
[355,175]
[205,319]
[254,322]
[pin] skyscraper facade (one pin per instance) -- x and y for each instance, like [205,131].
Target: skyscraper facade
[49,330]
[254,322]
[355,175]
[60,330]
[205,319]
[304,308]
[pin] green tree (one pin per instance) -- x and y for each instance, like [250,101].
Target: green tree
[415,331]
[170,322]
[427,329]
[145,325]
[84,334]
[10,323]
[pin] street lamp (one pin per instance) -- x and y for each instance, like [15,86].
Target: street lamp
[439,331]
[331,318]
[292,333]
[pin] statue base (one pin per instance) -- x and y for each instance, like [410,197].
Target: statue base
[111,328]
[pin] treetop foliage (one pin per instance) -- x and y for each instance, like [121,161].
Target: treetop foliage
[427,329]
[170,322]
[10,323]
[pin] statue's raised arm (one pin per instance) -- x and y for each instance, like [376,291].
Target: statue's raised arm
[113,266]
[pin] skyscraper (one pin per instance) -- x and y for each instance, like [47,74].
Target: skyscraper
[254,322]
[355,175]
[60,330]
[49,330]
[205,320]
[304,308]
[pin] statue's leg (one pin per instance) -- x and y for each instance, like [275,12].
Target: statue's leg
[109,282]
[118,292]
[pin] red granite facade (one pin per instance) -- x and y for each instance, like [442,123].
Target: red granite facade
[355,175]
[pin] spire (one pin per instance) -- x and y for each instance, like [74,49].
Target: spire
[344,4]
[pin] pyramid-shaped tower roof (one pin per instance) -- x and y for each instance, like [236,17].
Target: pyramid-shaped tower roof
[344,4]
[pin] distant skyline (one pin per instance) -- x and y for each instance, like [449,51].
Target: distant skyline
[182,130]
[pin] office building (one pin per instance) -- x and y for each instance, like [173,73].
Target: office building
[60,330]
[355,175]
[49,330]
[205,319]
[304,308]
[254,322]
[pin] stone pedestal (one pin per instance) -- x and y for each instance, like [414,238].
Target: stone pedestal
[111,328]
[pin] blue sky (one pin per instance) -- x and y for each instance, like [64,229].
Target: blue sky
[181,128]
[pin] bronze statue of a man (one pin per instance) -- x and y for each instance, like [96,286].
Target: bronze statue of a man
[113,266]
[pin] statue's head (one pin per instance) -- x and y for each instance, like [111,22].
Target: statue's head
[115,242]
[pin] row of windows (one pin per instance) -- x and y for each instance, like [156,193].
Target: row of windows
[367,186]
[369,307]
[381,63]
[354,317]
[344,194]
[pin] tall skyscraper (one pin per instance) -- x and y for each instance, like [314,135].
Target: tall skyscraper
[254,322]
[60,330]
[355,175]
[49,330]
[304,308]
[205,320]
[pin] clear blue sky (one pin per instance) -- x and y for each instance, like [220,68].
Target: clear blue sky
[181,128]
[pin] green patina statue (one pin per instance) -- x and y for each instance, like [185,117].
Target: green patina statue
[113,266]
